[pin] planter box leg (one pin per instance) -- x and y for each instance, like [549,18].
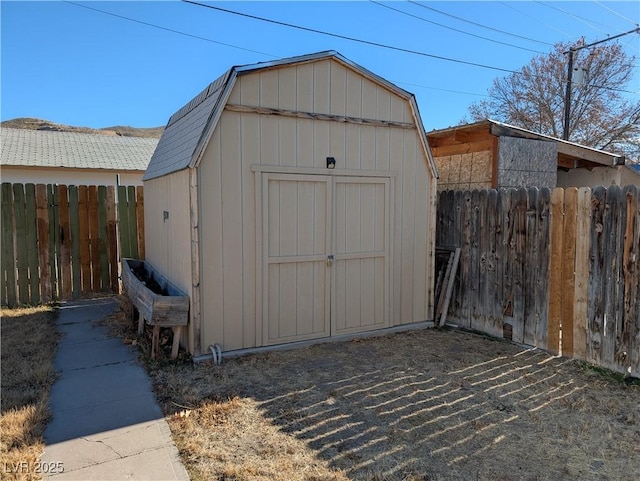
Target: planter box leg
[140,323]
[155,340]
[177,332]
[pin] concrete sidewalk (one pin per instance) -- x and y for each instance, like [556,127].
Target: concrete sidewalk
[106,422]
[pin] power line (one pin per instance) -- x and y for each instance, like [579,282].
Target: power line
[168,29]
[633,22]
[345,37]
[480,25]
[454,29]
[508,5]
[439,89]
[587,22]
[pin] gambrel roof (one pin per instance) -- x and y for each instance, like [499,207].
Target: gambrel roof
[189,129]
[53,149]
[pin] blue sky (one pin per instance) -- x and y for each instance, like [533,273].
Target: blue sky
[70,64]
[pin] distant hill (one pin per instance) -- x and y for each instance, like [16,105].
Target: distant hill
[39,124]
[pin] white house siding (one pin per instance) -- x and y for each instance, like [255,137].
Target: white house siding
[230,262]
[67,176]
[168,241]
[606,176]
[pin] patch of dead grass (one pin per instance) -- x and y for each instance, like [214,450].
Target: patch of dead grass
[421,405]
[29,339]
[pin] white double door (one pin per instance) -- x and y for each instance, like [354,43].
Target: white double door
[325,255]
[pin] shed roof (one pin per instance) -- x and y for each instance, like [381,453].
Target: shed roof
[43,148]
[188,130]
[472,137]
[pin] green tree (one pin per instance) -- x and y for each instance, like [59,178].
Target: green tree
[604,114]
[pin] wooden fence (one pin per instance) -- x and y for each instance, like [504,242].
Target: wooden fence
[556,269]
[62,242]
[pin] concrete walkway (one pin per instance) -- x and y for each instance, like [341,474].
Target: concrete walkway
[106,422]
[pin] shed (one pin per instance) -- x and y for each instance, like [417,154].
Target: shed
[491,154]
[73,158]
[294,200]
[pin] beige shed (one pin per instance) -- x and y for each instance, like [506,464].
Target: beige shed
[294,201]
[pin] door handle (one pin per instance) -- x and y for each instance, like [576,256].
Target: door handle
[330,260]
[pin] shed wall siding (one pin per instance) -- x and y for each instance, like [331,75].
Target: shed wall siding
[605,176]
[465,171]
[231,294]
[168,242]
[527,163]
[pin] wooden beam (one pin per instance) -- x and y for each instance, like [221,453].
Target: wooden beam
[466,148]
[317,116]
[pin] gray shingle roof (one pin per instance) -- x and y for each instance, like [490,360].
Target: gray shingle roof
[40,148]
[186,133]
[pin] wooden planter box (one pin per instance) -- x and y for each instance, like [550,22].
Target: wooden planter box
[164,306]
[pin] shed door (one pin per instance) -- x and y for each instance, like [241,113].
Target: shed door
[360,275]
[325,256]
[296,240]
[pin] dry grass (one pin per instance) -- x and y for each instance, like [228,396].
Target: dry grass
[422,405]
[29,339]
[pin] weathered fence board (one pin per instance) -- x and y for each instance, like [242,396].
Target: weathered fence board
[554,269]
[59,242]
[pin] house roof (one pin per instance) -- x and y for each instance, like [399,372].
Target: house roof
[189,129]
[47,149]
[478,136]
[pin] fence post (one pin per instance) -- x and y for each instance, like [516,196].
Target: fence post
[568,270]
[580,310]
[555,269]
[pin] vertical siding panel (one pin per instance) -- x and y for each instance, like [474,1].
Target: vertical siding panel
[269,136]
[304,142]
[287,96]
[369,99]
[304,87]
[232,242]
[74,222]
[250,124]
[398,107]
[338,143]
[338,100]
[269,89]
[321,147]
[94,244]
[597,277]
[54,238]
[112,237]
[368,148]
[383,111]
[568,269]
[140,221]
[32,242]
[20,232]
[352,154]
[322,87]
[287,141]
[354,94]
[234,96]
[103,243]
[65,243]
[8,258]
[580,313]
[407,229]
[421,222]
[396,157]
[210,192]
[43,242]
[83,231]
[249,88]
[555,265]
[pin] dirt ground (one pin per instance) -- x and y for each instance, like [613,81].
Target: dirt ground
[421,405]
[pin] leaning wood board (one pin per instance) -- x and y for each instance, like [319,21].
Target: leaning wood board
[157,310]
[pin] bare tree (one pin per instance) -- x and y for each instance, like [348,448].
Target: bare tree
[604,114]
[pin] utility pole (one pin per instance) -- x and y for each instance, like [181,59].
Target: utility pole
[567,95]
